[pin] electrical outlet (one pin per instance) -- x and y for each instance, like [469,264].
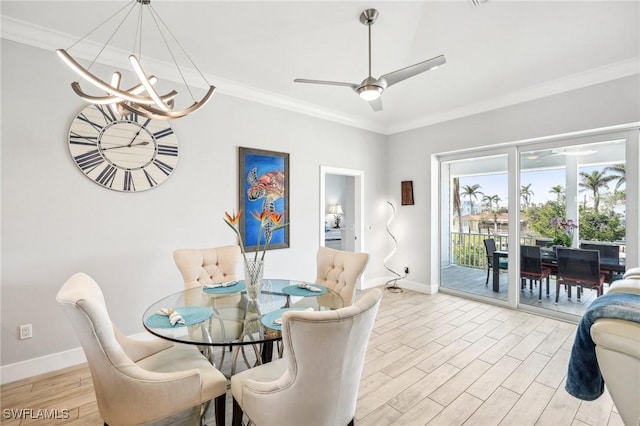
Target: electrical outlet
[406,269]
[26,331]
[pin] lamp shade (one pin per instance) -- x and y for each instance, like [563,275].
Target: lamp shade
[336,209]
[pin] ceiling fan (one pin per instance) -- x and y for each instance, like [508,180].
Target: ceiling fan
[371,88]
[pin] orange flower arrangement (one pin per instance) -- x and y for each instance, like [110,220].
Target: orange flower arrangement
[269,222]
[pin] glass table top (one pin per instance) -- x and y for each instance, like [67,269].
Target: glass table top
[225,316]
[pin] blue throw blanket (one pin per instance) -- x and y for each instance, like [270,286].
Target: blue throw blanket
[584,380]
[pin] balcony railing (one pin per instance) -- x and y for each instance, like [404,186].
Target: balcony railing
[468,248]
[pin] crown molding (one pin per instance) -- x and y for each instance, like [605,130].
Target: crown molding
[45,38]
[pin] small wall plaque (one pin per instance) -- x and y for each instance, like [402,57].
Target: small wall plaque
[407,192]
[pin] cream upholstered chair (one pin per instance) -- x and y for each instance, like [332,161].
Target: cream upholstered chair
[138,381]
[205,266]
[213,265]
[316,382]
[618,353]
[340,271]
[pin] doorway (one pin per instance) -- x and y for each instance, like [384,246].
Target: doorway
[341,208]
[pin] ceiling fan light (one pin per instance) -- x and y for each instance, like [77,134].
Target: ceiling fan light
[370,92]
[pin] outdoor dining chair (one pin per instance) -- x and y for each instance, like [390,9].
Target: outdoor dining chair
[609,253]
[490,247]
[531,268]
[579,268]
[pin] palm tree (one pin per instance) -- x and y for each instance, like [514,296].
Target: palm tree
[489,200]
[558,190]
[526,192]
[619,172]
[471,192]
[594,182]
[457,206]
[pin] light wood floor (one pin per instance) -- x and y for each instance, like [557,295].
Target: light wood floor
[431,360]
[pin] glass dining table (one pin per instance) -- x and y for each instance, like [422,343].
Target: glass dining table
[226,317]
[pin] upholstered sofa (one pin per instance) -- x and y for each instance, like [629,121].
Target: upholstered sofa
[618,353]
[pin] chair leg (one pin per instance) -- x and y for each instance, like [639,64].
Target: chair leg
[237,414]
[220,407]
[540,292]
[487,282]
[547,286]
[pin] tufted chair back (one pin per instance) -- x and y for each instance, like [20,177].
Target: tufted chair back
[205,266]
[340,271]
[316,383]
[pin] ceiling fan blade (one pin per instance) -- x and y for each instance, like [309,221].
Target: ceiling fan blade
[376,104]
[404,73]
[331,83]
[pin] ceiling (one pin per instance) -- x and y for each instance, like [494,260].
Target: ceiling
[498,53]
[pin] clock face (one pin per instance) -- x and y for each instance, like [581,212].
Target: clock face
[127,153]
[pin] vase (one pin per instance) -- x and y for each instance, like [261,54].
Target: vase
[253,270]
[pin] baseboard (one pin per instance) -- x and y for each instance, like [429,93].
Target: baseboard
[47,363]
[403,283]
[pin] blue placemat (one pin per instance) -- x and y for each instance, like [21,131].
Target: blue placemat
[239,286]
[294,290]
[267,319]
[191,314]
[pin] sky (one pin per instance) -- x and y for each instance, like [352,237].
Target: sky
[541,183]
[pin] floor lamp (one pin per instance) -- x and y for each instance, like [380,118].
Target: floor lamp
[392,284]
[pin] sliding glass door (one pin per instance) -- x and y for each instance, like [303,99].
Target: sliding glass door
[573,196]
[475,224]
[565,191]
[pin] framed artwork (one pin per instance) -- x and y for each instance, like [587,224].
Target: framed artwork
[263,185]
[407,192]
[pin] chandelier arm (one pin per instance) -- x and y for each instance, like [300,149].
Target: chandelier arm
[145,82]
[102,85]
[156,14]
[156,114]
[112,99]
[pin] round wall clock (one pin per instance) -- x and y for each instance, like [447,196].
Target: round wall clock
[127,153]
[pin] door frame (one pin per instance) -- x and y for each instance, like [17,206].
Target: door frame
[358,202]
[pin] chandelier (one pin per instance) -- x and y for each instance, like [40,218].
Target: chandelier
[142,98]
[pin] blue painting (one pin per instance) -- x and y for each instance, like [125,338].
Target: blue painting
[264,187]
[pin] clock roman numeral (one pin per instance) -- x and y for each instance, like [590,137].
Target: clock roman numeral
[78,139]
[132,116]
[164,167]
[167,150]
[150,179]
[162,133]
[107,176]
[89,160]
[129,185]
[84,118]
[107,114]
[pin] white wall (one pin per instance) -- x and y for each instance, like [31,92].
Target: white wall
[56,222]
[607,104]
